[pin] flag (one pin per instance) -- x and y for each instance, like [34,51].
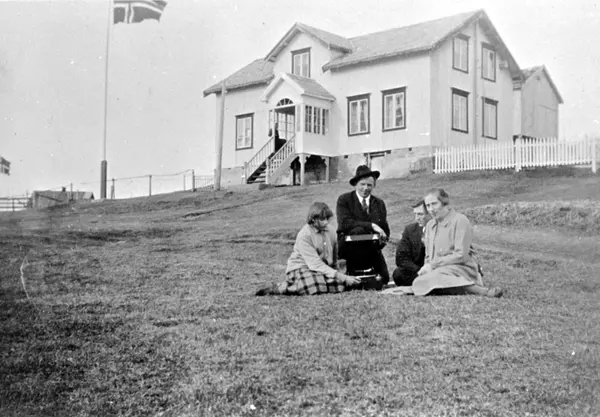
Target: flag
[134,11]
[4,166]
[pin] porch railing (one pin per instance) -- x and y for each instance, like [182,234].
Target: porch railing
[280,157]
[259,158]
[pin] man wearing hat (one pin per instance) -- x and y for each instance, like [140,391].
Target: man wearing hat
[359,212]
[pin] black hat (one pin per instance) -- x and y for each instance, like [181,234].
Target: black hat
[363,171]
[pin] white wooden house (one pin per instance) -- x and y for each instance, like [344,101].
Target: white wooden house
[386,99]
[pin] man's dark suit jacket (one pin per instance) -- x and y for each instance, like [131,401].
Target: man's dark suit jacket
[352,219]
[410,253]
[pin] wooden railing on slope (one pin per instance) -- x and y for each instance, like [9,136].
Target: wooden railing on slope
[259,158]
[277,160]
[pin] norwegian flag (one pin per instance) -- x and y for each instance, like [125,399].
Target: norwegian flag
[134,11]
[4,166]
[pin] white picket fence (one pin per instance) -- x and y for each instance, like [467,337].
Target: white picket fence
[523,153]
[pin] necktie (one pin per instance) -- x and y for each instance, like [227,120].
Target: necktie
[365,206]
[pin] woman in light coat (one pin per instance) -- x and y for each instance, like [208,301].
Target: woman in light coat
[449,265]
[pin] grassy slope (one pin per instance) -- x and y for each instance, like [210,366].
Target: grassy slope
[144,307]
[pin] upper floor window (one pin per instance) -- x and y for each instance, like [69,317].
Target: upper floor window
[244,126]
[490,118]
[394,109]
[460,110]
[358,114]
[301,62]
[488,59]
[460,53]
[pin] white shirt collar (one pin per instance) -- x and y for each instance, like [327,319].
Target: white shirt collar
[361,199]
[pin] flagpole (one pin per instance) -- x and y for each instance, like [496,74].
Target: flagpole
[104,164]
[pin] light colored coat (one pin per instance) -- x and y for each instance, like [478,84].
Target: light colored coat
[448,250]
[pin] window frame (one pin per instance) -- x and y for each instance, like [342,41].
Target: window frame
[465,94]
[392,92]
[358,98]
[488,101]
[465,38]
[316,120]
[237,118]
[300,52]
[486,46]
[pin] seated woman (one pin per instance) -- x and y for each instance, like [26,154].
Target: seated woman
[449,265]
[311,266]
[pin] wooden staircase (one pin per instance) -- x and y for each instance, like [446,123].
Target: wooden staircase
[259,176]
[265,168]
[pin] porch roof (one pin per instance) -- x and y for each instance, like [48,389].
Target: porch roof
[304,86]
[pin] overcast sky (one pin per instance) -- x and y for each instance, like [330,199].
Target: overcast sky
[52,60]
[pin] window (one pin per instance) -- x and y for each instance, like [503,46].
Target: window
[394,109]
[488,58]
[316,120]
[460,110]
[301,62]
[244,127]
[490,118]
[460,53]
[358,115]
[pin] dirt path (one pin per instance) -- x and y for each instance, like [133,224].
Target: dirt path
[544,244]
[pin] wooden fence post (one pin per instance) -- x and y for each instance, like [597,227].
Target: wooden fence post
[517,150]
[149,185]
[112,190]
[193,181]
[594,157]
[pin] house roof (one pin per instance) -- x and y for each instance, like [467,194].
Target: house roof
[393,43]
[258,72]
[330,40]
[420,37]
[528,73]
[305,86]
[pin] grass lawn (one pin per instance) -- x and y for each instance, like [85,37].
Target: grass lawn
[145,307]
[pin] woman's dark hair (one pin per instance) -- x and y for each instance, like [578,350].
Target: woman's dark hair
[318,211]
[441,195]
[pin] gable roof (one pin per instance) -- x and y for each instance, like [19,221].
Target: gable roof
[420,37]
[257,72]
[304,86]
[528,74]
[330,40]
[392,43]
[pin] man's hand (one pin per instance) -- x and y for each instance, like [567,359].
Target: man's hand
[380,231]
[425,269]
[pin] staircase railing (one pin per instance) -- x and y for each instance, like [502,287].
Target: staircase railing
[280,157]
[259,157]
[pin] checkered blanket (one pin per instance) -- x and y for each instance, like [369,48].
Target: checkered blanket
[303,281]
